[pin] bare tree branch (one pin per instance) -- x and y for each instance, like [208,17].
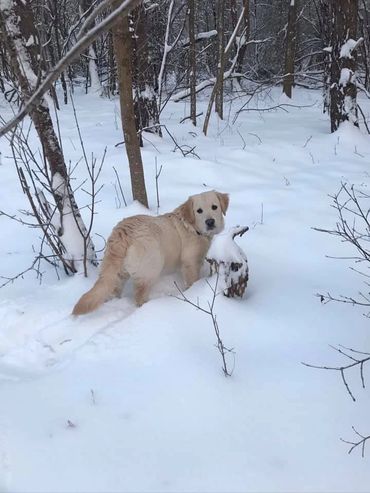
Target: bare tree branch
[360,443]
[356,361]
[73,53]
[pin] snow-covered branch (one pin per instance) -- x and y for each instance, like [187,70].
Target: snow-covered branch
[179,96]
[200,37]
[349,47]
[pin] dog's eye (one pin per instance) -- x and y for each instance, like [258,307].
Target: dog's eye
[214,207]
[199,211]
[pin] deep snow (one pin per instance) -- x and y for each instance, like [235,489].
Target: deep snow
[129,399]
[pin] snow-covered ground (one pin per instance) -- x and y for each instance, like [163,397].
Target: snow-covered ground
[135,400]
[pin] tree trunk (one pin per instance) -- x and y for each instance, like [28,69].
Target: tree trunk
[291,37]
[18,26]
[95,85]
[192,62]
[166,50]
[244,38]
[145,72]
[112,76]
[123,53]
[54,10]
[364,27]
[325,25]
[343,90]
[219,105]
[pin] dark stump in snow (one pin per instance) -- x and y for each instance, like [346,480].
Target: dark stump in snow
[228,260]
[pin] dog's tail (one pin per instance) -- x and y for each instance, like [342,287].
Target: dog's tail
[110,276]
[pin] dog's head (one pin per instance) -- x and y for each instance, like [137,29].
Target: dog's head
[205,212]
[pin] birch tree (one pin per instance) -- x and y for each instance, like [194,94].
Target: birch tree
[25,55]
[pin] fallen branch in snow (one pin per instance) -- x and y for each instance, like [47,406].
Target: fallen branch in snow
[223,350]
[360,443]
[307,141]
[356,361]
[184,149]
[281,106]
[188,117]
[179,96]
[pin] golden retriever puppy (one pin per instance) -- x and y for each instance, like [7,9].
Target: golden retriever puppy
[143,247]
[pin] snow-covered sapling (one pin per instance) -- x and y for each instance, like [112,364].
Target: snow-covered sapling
[228,260]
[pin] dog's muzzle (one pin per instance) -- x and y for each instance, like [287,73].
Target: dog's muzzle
[210,223]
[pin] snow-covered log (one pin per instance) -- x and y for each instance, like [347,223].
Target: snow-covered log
[229,261]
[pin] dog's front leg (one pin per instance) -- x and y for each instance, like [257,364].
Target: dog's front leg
[190,273]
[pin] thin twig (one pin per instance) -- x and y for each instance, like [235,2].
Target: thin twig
[355,362]
[223,350]
[360,443]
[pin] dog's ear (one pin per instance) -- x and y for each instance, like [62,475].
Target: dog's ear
[224,201]
[187,212]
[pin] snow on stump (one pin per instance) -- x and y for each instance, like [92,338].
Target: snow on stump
[229,261]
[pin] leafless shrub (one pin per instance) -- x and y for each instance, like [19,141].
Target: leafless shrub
[353,227]
[34,267]
[36,183]
[93,170]
[222,349]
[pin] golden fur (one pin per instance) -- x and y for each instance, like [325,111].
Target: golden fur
[142,247]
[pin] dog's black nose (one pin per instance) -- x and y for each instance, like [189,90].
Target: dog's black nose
[210,223]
